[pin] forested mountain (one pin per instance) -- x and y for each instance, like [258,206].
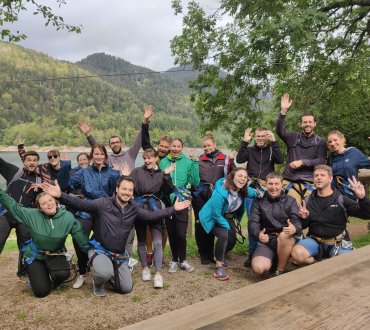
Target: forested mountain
[42,99]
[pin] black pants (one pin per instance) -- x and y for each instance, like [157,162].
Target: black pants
[6,224]
[226,241]
[82,258]
[205,242]
[39,276]
[176,228]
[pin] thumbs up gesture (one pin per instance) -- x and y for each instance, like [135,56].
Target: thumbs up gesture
[290,230]
[263,237]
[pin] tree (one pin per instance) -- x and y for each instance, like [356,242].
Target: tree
[318,51]
[10,10]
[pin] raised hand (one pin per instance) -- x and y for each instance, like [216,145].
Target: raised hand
[170,168]
[290,230]
[148,113]
[192,154]
[285,103]
[263,237]
[181,205]
[232,154]
[357,187]
[84,127]
[303,212]
[125,169]
[64,156]
[53,190]
[248,135]
[270,136]
[20,140]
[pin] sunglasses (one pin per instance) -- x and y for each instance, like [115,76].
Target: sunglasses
[53,156]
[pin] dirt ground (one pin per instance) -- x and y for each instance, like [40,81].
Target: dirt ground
[67,308]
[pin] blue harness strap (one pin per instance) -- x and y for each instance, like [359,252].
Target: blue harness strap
[115,257]
[182,193]
[149,199]
[34,249]
[343,186]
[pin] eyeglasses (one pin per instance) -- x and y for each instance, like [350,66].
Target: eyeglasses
[53,156]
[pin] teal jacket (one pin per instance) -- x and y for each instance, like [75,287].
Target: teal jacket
[186,172]
[213,212]
[48,234]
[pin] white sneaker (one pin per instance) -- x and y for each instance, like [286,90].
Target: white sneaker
[186,266]
[173,267]
[79,282]
[158,281]
[145,275]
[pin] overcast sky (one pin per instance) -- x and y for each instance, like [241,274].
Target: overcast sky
[138,31]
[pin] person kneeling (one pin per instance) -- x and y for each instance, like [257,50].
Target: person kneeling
[274,222]
[326,211]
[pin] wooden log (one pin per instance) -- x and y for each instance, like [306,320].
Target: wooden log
[330,294]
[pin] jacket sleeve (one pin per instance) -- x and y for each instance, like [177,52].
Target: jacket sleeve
[79,236]
[254,222]
[21,150]
[7,170]
[294,217]
[360,210]
[277,155]
[145,139]
[229,166]
[251,193]
[217,205]
[91,140]
[21,214]
[287,137]
[193,173]
[321,155]
[154,215]
[364,160]
[63,175]
[167,185]
[243,153]
[79,204]
[76,180]
[133,151]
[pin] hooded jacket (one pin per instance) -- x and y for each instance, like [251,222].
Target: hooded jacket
[213,167]
[47,233]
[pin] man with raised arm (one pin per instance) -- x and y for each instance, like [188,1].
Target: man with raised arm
[305,151]
[119,158]
[113,220]
[261,157]
[326,213]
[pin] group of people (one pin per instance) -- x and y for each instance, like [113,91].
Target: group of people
[106,199]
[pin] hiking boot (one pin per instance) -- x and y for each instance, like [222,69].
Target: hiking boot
[186,266]
[248,262]
[99,290]
[79,282]
[158,281]
[173,267]
[145,275]
[205,260]
[221,274]
[149,259]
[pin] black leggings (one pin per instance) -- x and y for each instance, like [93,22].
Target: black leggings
[205,242]
[6,224]
[226,241]
[176,228]
[82,258]
[39,277]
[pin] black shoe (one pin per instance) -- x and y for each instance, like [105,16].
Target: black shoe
[248,262]
[205,261]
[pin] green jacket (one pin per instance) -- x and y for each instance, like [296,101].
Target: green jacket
[185,173]
[48,234]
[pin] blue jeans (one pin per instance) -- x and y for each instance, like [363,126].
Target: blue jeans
[252,242]
[313,246]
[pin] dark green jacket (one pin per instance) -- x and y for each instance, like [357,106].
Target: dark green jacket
[48,233]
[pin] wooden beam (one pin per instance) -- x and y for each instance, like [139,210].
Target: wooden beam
[333,293]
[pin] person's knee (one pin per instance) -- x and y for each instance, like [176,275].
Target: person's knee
[260,266]
[284,240]
[157,244]
[41,291]
[60,276]
[299,254]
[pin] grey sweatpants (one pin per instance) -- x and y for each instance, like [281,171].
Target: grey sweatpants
[103,272]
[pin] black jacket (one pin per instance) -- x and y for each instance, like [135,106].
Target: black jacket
[112,224]
[272,214]
[328,219]
[261,161]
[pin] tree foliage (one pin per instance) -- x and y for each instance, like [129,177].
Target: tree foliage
[10,10]
[318,51]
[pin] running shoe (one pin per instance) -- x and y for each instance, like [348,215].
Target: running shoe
[158,281]
[145,275]
[79,282]
[99,289]
[221,274]
[186,266]
[173,267]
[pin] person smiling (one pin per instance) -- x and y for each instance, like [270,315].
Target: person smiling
[274,222]
[49,227]
[150,184]
[186,173]
[345,162]
[218,214]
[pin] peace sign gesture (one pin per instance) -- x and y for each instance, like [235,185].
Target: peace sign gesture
[303,212]
[357,187]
